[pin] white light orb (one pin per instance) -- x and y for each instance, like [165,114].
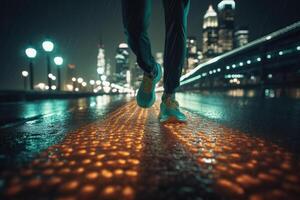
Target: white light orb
[58,60]
[80,80]
[48,46]
[30,52]
[25,73]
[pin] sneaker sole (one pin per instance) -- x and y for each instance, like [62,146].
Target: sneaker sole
[172,119]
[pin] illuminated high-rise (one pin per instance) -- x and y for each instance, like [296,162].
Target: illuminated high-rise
[101,60]
[108,70]
[192,56]
[226,16]
[210,33]
[70,73]
[122,63]
[241,37]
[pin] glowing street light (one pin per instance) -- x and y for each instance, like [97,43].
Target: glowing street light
[31,54]
[92,82]
[74,83]
[48,47]
[80,80]
[58,60]
[103,78]
[25,75]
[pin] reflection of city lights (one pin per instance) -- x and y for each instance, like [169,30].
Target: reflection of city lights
[53,87]
[218,151]
[61,168]
[73,79]
[84,84]
[76,89]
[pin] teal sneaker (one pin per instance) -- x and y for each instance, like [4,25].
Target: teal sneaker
[146,94]
[169,110]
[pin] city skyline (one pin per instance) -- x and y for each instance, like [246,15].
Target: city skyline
[82,52]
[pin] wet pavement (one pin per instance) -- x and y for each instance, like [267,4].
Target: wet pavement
[82,152]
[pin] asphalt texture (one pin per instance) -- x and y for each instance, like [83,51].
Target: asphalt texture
[107,147]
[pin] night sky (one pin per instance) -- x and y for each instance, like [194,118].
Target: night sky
[76,27]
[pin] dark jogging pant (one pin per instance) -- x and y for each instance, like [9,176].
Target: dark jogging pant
[136,19]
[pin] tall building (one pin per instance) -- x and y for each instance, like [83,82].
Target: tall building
[70,73]
[226,15]
[192,55]
[210,33]
[122,63]
[101,60]
[108,70]
[241,37]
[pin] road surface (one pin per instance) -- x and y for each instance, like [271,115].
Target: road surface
[107,147]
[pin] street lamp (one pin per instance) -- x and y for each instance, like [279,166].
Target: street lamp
[92,83]
[74,83]
[25,75]
[80,81]
[58,61]
[31,54]
[48,47]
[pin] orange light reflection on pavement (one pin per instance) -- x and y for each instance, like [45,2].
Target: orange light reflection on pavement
[98,161]
[242,166]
